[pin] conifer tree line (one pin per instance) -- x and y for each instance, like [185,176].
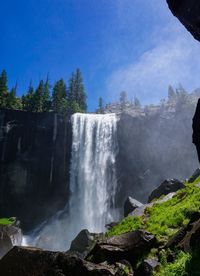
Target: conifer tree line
[59,98]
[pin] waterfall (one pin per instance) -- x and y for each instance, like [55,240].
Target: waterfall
[93,180]
[93,183]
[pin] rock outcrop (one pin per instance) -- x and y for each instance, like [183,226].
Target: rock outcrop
[167,187]
[129,246]
[147,267]
[130,205]
[196,129]
[35,151]
[10,235]
[152,148]
[83,242]
[21,261]
[188,12]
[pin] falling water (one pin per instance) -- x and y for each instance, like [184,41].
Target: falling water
[93,180]
[93,183]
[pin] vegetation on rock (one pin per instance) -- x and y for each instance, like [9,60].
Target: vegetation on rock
[7,221]
[164,220]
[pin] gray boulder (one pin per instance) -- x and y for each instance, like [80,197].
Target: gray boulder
[83,242]
[194,176]
[129,246]
[130,205]
[168,186]
[147,267]
[29,261]
[10,235]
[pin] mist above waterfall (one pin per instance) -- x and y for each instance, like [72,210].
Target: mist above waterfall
[93,183]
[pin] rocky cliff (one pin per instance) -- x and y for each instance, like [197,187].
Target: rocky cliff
[35,151]
[34,164]
[155,146]
[187,11]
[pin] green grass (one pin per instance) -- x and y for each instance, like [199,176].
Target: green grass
[126,225]
[178,268]
[164,220]
[7,221]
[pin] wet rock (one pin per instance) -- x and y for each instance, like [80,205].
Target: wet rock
[187,12]
[35,150]
[168,186]
[195,175]
[130,205]
[9,236]
[147,267]
[181,238]
[27,261]
[174,241]
[83,242]
[5,243]
[111,225]
[191,240]
[129,246]
[124,268]
[138,212]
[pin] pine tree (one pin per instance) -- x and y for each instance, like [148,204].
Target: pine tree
[100,107]
[80,91]
[59,97]
[77,92]
[137,103]
[3,89]
[71,92]
[123,99]
[46,96]
[38,97]
[171,94]
[28,99]
[12,102]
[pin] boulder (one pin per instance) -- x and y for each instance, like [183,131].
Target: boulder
[139,212]
[191,241]
[111,225]
[168,186]
[178,237]
[124,268]
[10,235]
[129,246]
[184,237]
[147,267]
[187,12]
[29,261]
[195,175]
[130,205]
[83,242]
[5,243]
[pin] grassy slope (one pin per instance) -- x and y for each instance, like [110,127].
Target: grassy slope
[164,220]
[7,221]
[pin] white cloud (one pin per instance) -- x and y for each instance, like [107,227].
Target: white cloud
[174,59]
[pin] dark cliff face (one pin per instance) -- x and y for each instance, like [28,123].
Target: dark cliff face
[35,151]
[153,148]
[35,154]
[188,12]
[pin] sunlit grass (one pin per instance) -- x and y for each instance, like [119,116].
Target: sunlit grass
[7,221]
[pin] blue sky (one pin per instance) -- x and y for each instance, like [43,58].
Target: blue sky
[131,45]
